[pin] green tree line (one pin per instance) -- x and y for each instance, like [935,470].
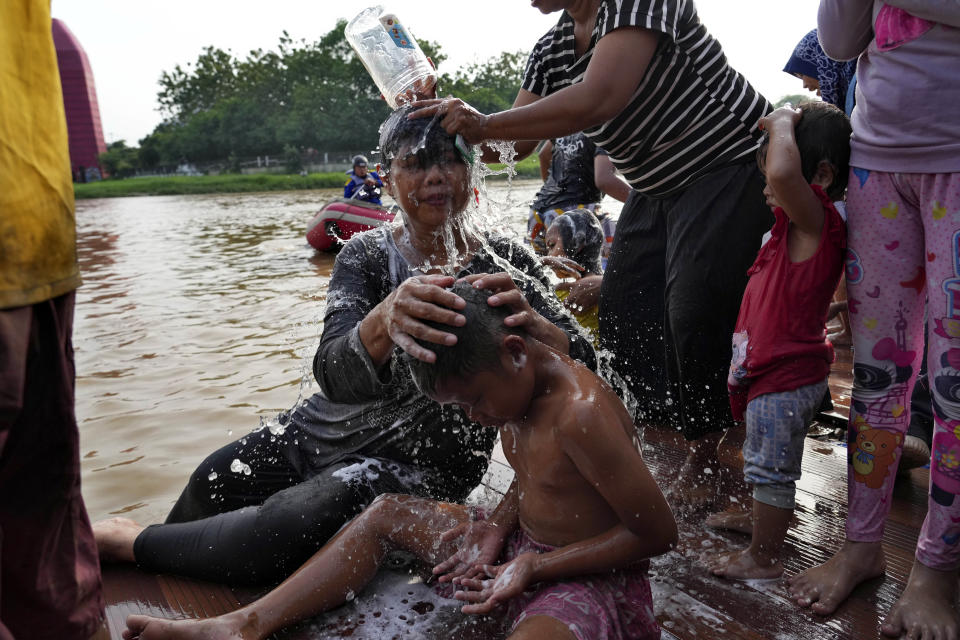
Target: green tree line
[301,96]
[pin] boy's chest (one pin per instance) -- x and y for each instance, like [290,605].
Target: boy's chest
[536,455]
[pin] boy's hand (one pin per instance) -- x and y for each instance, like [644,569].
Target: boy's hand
[501,583]
[563,267]
[785,114]
[480,545]
[506,293]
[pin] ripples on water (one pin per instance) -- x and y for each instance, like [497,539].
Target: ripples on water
[198,316]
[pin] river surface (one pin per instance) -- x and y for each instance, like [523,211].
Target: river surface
[197,319]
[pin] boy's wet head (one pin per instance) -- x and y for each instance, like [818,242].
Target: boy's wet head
[423,137]
[478,342]
[823,135]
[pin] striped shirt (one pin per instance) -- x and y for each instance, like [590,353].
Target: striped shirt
[691,114]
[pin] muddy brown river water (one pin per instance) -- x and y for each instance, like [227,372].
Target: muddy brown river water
[198,317]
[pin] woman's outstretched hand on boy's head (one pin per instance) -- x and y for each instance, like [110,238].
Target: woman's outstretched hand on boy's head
[418,299]
[495,584]
[523,315]
[480,544]
[456,116]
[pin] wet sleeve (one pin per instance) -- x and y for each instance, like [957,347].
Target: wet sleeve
[348,189]
[536,288]
[662,16]
[342,366]
[844,27]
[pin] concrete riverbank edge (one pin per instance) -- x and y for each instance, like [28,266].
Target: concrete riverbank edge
[233,183]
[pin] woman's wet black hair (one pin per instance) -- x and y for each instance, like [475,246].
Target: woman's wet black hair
[823,133]
[477,344]
[425,136]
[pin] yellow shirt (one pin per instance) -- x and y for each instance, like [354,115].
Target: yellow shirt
[589,319]
[38,255]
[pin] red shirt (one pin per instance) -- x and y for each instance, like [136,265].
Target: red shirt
[780,342]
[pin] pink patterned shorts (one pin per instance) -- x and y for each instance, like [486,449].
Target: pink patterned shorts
[606,606]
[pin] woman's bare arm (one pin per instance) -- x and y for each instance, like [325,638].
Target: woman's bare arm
[616,69]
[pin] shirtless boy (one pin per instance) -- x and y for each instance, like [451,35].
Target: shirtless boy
[578,523]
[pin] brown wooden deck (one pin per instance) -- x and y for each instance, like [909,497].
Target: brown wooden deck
[689,602]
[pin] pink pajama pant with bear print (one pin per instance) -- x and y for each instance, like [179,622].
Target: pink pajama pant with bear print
[904,253]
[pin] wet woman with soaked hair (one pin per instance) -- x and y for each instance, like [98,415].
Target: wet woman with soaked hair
[369,431]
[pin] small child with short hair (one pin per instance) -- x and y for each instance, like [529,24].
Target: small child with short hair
[574,242]
[565,550]
[781,356]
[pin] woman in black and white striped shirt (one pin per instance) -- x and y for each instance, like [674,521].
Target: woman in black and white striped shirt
[647,82]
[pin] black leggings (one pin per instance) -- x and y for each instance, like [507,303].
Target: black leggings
[672,291]
[257,522]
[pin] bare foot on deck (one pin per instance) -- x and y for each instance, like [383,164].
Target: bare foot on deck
[690,491]
[927,608]
[823,588]
[741,521]
[149,628]
[744,565]
[115,538]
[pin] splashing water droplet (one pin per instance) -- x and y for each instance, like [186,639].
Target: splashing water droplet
[240,467]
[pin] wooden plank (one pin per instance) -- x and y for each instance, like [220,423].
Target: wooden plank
[128,590]
[691,603]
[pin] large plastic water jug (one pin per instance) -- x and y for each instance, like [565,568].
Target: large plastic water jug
[391,55]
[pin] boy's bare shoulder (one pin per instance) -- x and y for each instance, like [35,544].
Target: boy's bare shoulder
[591,408]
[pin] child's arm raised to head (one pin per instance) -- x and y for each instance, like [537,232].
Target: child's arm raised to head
[785,176]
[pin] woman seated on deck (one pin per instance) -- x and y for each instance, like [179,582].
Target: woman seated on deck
[256,509]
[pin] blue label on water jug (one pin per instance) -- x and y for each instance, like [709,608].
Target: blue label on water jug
[396,31]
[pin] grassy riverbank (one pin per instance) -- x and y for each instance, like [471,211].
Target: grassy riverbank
[231,183]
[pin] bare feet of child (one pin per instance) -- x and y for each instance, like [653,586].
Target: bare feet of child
[149,628]
[927,608]
[741,521]
[746,564]
[115,537]
[823,588]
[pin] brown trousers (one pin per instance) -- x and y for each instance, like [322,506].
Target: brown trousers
[49,571]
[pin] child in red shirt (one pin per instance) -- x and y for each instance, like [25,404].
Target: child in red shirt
[781,356]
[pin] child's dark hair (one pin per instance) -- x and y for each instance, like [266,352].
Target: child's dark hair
[477,341]
[823,133]
[425,136]
[582,238]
